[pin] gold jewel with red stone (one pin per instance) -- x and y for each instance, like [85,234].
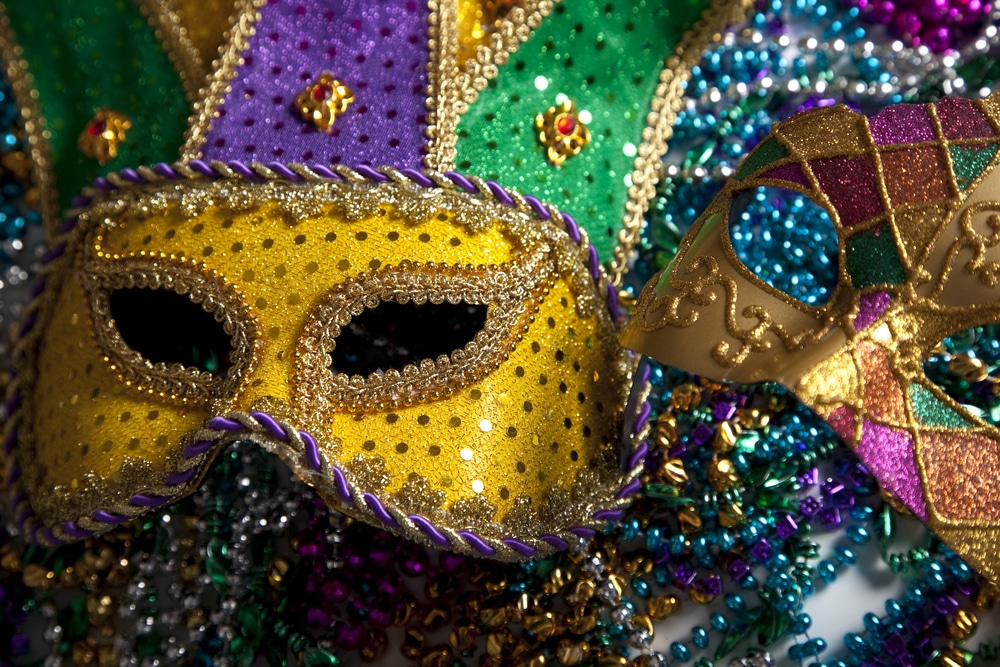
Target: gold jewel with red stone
[562,132]
[323,100]
[103,134]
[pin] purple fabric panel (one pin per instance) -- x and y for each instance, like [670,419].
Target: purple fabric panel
[377,47]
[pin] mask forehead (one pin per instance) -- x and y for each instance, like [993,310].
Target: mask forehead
[912,193]
[515,436]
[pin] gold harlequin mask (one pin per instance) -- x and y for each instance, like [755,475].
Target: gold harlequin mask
[195,313]
[913,194]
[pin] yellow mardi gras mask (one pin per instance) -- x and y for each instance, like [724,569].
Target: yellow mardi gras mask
[914,195]
[433,353]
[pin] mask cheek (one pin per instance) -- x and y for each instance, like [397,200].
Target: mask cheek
[92,443]
[721,322]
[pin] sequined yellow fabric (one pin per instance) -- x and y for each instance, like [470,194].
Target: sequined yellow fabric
[286,267]
[914,194]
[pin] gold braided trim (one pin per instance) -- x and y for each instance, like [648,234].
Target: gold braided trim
[660,122]
[442,44]
[175,382]
[214,92]
[453,88]
[166,24]
[26,98]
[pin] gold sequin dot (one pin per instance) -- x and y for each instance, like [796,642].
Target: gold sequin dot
[402,447]
[369,445]
[98,420]
[392,236]
[332,236]
[423,420]
[511,432]
[391,418]
[528,407]
[147,239]
[236,247]
[84,450]
[454,241]
[343,265]
[274,332]
[313,267]
[519,371]
[445,482]
[504,493]
[454,422]
[198,228]
[574,455]
[133,443]
[476,394]
[535,347]
[433,450]
[268,244]
[248,275]
[551,322]
[294,299]
[161,440]
[280,271]
[374,265]
[521,468]
[300,239]
[125,416]
[424,237]
[543,379]
[568,423]
[582,397]
[261,303]
[106,447]
[153,414]
[361,236]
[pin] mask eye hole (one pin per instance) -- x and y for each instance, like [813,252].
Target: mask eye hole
[787,240]
[964,366]
[169,328]
[393,335]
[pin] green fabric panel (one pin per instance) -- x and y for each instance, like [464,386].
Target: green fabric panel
[932,412]
[970,162]
[88,54]
[604,55]
[768,152]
